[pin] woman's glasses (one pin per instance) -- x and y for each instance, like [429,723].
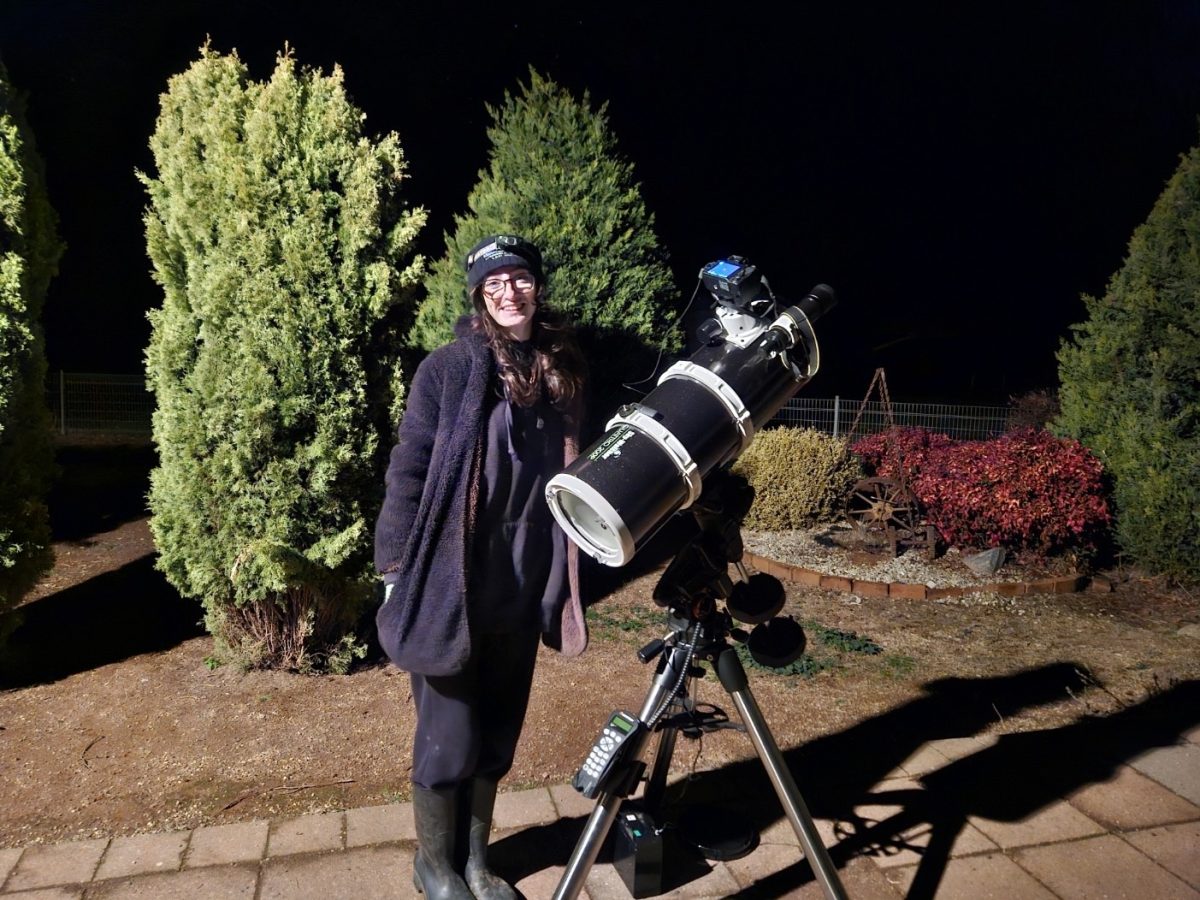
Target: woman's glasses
[493,288]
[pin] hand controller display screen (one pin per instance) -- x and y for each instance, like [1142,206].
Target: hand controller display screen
[601,762]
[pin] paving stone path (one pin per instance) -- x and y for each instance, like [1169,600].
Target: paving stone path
[938,825]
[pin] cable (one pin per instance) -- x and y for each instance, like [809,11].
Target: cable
[633,385]
[684,671]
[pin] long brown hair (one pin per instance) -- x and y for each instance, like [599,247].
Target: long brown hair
[555,365]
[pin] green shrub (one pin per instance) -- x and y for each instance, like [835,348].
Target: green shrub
[1130,382]
[800,477]
[29,253]
[278,233]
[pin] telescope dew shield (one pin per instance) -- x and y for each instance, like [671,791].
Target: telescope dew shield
[652,460]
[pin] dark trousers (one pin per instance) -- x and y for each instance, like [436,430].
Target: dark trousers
[468,724]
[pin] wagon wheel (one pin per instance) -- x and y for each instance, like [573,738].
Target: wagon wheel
[884,512]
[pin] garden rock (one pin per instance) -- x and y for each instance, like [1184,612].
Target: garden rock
[986,563]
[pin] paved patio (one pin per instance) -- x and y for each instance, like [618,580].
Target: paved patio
[1060,814]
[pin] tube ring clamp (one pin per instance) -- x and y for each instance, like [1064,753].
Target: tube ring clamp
[670,444]
[722,391]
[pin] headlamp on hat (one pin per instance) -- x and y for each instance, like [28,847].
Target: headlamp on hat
[498,251]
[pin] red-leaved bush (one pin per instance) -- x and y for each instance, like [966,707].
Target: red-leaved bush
[1025,490]
[884,453]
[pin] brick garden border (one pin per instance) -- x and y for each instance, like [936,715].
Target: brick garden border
[1066,584]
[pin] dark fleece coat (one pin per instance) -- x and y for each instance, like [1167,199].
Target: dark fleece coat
[429,518]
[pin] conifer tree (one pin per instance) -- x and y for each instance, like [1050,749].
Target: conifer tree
[555,175]
[280,238]
[1130,382]
[29,254]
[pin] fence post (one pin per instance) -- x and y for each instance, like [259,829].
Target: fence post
[836,408]
[62,402]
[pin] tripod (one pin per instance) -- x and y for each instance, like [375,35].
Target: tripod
[691,586]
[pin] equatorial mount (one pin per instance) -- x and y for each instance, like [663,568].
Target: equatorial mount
[698,579]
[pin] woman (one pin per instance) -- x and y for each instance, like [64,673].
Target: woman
[474,566]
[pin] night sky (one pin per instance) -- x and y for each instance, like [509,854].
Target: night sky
[960,176]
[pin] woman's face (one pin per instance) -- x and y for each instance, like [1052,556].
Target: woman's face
[510,295]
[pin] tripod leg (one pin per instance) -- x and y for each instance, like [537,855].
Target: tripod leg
[588,847]
[733,678]
[599,823]
[656,785]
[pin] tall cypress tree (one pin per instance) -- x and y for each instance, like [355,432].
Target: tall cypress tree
[29,254]
[555,175]
[1130,381]
[280,238]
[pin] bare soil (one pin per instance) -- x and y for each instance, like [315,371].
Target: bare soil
[111,723]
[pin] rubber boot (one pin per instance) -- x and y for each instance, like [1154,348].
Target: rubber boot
[436,815]
[484,883]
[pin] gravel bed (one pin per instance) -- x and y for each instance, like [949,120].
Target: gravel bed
[834,549]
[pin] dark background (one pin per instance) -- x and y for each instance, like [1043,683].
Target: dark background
[960,174]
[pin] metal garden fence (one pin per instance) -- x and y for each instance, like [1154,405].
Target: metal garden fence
[836,416]
[98,404]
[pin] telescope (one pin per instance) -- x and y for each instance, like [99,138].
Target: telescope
[671,452]
[703,413]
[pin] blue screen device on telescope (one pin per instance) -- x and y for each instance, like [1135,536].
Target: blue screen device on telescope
[733,282]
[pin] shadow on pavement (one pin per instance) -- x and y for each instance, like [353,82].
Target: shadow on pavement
[1023,773]
[1006,781]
